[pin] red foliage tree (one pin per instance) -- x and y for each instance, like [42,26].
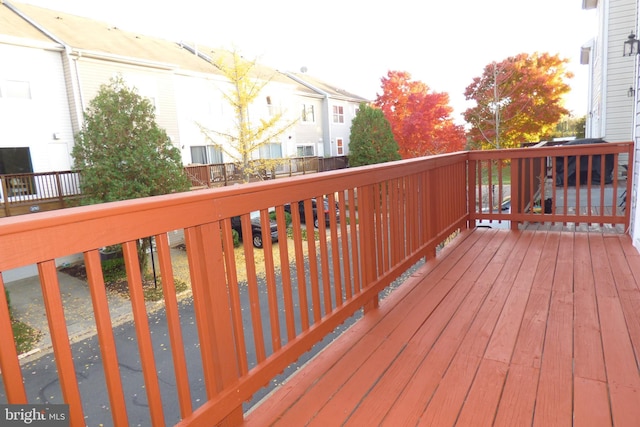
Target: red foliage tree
[420,119]
[517,100]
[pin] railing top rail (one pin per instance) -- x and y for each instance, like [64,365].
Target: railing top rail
[556,150]
[27,174]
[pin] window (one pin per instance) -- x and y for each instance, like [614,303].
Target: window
[206,154]
[340,145]
[17,160]
[15,89]
[269,106]
[308,114]
[338,114]
[271,151]
[304,150]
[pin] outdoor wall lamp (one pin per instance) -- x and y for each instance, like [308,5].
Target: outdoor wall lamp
[631,45]
[631,92]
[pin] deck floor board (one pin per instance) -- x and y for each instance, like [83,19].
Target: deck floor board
[507,328]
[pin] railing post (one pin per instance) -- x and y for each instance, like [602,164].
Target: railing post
[472,165]
[59,186]
[628,195]
[5,195]
[367,241]
[515,191]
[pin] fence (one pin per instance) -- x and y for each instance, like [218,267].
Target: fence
[34,192]
[224,174]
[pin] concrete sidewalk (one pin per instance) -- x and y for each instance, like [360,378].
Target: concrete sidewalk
[28,307]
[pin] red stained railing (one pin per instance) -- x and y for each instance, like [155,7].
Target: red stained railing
[578,185]
[250,329]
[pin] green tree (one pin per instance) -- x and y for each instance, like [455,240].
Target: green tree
[121,152]
[249,132]
[371,139]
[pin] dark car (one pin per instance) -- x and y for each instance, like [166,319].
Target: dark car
[256,229]
[314,206]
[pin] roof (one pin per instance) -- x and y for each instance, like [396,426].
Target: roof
[88,35]
[14,26]
[258,70]
[332,90]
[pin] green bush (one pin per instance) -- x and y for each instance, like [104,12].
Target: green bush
[287,217]
[6,293]
[236,238]
[113,270]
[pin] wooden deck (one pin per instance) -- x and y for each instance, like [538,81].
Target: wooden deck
[506,328]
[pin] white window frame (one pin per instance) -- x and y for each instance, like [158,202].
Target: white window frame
[305,150]
[308,109]
[338,114]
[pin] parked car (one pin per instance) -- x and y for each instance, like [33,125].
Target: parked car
[314,206]
[256,228]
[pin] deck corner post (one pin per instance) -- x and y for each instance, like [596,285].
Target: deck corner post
[472,167]
[235,418]
[373,304]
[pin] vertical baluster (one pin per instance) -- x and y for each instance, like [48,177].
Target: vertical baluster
[60,340]
[143,333]
[173,322]
[272,293]
[9,364]
[106,337]
[285,273]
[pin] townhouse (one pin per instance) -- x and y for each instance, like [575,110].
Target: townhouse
[613,84]
[56,63]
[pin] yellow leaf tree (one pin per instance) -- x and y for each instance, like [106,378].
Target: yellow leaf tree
[247,134]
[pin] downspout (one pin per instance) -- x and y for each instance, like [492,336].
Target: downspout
[326,123]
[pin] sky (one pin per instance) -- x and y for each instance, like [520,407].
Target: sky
[354,43]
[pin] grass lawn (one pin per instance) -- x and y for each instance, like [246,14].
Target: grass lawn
[506,174]
[25,336]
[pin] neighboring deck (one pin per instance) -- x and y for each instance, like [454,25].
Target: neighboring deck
[505,328]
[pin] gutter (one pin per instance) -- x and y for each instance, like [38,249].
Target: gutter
[19,41]
[121,59]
